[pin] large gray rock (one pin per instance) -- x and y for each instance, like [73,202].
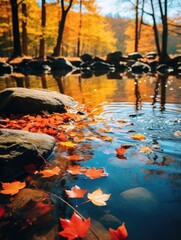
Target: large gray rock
[23,100]
[19,149]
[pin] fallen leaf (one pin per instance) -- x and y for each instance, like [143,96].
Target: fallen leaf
[2,211]
[75,227]
[121,150]
[68,144]
[119,234]
[177,133]
[98,198]
[12,188]
[50,172]
[93,173]
[76,192]
[146,150]
[74,170]
[138,136]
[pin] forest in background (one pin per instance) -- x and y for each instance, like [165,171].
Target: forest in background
[85,30]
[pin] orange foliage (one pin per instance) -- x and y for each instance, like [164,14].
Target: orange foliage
[12,188]
[119,234]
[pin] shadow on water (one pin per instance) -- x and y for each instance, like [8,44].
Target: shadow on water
[145,186]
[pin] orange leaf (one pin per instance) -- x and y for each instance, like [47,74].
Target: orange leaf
[50,172]
[138,136]
[119,234]
[76,192]
[121,150]
[93,173]
[12,188]
[74,170]
[75,227]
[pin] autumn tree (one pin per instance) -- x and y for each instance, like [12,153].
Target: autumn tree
[64,12]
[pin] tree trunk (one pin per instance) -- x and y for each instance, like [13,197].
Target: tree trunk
[43,24]
[16,33]
[164,55]
[80,26]
[24,30]
[155,30]
[136,27]
[58,46]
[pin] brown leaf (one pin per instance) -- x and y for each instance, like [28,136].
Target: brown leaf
[76,192]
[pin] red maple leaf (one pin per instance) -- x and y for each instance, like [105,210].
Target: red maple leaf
[1,211]
[119,234]
[75,227]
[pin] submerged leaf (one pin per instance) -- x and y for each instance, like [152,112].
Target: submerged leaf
[76,192]
[75,227]
[12,188]
[119,234]
[146,149]
[98,198]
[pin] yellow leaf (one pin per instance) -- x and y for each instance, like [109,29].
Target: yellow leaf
[98,198]
[68,144]
[138,136]
[146,149]
[12,188]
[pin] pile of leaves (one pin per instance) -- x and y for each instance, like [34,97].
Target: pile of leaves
[71,131]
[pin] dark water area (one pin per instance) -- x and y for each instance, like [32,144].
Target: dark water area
[145,187]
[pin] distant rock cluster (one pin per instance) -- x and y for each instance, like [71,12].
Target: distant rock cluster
[114,62]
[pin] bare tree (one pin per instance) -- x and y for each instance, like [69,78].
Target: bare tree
[43,24]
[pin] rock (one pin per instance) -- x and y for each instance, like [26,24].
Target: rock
[135,56]
[5,68]
[164,69]
[138,200]
[86,58]
[23,100]
[151,55]
[19,149]
[61,64]
[139,67]
[101,66]
[114,57]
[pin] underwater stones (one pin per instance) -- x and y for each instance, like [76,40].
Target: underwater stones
[20,148]
[23,100]
[138,200]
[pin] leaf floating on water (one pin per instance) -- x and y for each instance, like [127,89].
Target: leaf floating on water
[146,150]
[74,170]
[93,173]
[75,227]
[121,150]
[138,136]
[98,198]
[50,172]
[12,188]
[76,192]
[119,234]
[68,144]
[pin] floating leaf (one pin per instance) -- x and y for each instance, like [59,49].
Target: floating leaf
[50,172]
[93,173]
[98,198]
[138,136]
[68,144]
[76,192]
[121,150]
[12,188]
[75,227]
[119,234]
[146,150]
[74,170]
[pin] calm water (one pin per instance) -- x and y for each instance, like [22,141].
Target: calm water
[145,188]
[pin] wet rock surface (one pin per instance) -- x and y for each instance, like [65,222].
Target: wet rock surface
[20,148]
[23,100]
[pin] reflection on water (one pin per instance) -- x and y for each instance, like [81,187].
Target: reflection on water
[145,188]
[94,90]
